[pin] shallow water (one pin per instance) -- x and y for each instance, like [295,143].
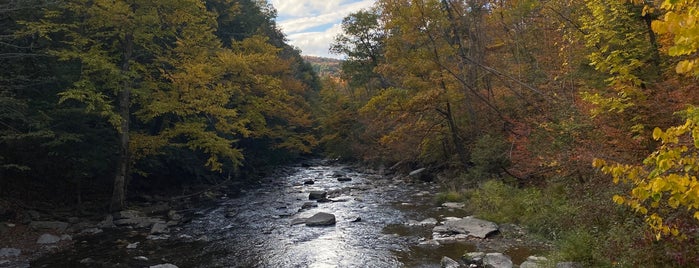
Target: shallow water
[260,231]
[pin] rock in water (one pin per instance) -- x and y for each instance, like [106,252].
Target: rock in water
[449,263]
[344,179]
[469,226]
[309,182]
[317,195]
[497,260]
[321,219]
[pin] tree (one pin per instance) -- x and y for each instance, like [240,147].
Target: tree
[117,45]
[362,42]
[665,188]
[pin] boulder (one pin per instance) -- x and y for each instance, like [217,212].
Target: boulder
[10,252]
[52,225]
[317,195]
[48,239]
[309,182]
[469,226]
[447,262]
[321,219]
[497,260]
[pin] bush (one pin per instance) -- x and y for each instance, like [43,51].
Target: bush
[540,212]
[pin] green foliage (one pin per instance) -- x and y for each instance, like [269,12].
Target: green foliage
[542,212]
[617,37]
[490,156]
[450,196]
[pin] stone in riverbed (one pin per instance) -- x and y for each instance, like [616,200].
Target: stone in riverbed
[321,219]
[317,195]
[449,263]
[48,239]
[344,179]
[309,182]
[469,226]
[497,260]
[10,252]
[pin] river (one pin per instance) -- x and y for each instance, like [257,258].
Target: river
[257,230]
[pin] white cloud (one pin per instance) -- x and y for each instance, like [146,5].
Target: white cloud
[316,43]
[311,25]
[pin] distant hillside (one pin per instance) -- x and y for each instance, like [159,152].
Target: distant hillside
[324,66]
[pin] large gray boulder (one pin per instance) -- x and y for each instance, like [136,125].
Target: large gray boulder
[321,219]
[468,226]
[497,260]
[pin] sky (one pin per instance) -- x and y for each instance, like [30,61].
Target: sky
[311,25]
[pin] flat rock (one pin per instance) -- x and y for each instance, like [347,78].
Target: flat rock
[321,219]
[309,182]
[10,252]
[48,239]
[344,179]
[469,226]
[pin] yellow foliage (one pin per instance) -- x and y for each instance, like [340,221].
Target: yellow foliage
[667,181]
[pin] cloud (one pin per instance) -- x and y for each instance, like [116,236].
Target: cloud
[311,25]
[316,43]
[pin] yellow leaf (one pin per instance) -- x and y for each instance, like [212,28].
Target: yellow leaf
[657,133]
[618,199]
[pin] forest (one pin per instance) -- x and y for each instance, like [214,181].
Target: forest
[574,119]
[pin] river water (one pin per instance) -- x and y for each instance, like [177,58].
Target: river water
[257,230]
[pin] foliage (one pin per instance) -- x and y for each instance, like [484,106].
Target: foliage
[620,49]
[680,21]
[541,212]
[667,181]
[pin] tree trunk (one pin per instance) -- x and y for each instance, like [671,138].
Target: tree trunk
[119,192]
